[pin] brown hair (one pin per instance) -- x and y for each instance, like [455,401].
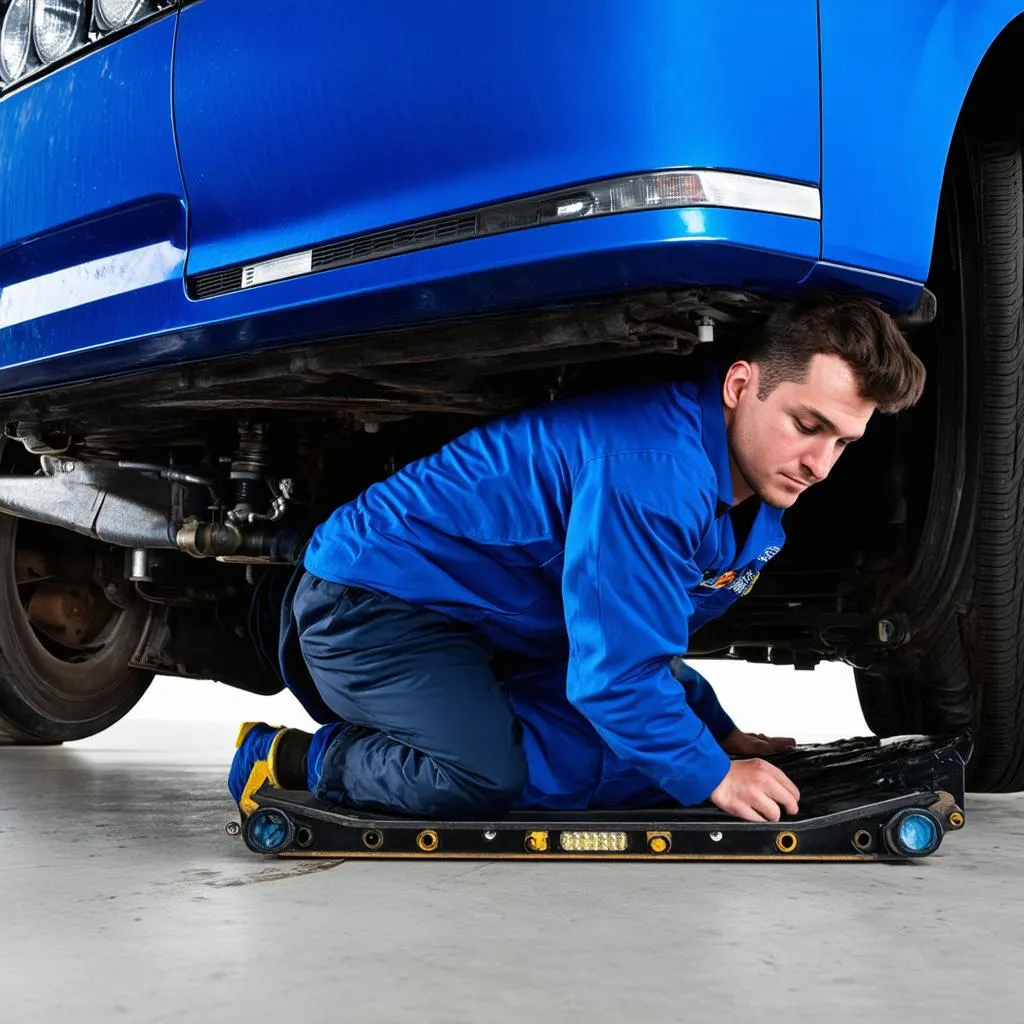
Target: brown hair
[857,330]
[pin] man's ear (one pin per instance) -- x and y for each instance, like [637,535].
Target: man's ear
[738,378]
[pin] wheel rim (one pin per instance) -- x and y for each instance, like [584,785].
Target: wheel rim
[65,618]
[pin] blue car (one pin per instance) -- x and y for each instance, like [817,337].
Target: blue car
[255,255]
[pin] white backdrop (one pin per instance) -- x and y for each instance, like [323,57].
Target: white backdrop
[809,706]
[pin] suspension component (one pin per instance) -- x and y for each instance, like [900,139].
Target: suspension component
[257,497]
[248,473]
[208,540]
[137,506]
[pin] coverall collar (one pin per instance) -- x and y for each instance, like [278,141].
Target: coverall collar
[713,436]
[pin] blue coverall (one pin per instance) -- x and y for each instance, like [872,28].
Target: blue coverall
[495,625]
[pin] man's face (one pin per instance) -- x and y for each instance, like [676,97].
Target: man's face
[791,439]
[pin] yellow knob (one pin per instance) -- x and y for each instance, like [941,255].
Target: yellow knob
[537,842]
[786,842]
[428,840]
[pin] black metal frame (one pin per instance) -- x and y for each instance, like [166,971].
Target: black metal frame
[852,793]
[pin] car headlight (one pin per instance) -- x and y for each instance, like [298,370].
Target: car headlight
[58,27]
[16,56]
[112,14]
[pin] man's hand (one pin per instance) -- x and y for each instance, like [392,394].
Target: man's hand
[756,791]
[755,744]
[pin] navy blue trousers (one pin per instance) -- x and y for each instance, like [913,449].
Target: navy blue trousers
[429,729]
[424,726]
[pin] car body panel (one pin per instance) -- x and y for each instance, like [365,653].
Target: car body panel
[373,115]
[550,265]
[291,130]
[893,78]
[92,209]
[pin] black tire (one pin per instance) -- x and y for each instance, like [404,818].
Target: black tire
[48,695]
[965,661]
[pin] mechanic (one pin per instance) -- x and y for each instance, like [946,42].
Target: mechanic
[497,625]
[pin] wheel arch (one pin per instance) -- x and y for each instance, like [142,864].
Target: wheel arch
[880,201]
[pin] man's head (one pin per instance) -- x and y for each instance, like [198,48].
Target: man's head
[806,388]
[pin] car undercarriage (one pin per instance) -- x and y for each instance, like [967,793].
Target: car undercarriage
[182,487]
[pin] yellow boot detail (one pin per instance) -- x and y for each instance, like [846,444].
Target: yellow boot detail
[247,727]
[243,730]
[262,771]
[259,775]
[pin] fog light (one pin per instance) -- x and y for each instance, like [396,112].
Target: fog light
[111,14]
[914,833]
[268,830]
[58,27]
[593,842]
[16,55]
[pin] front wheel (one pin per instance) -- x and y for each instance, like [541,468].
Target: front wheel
[68,628]
[965,661]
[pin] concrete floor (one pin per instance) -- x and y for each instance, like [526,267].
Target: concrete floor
[121,897]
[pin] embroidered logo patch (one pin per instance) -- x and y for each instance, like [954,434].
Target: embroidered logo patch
[723,581]
[745,584]
[740,583]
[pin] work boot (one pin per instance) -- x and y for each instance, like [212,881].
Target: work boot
[267,754]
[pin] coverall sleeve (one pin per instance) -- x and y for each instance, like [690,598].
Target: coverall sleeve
[700,695]
[634,528]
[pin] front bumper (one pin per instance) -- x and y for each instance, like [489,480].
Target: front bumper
[541,267]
